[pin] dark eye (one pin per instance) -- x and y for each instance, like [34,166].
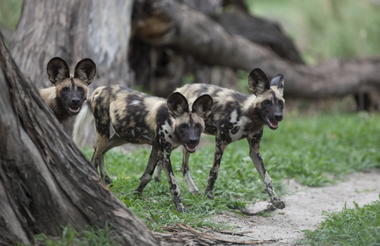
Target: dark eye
[266,103]
[183,126]
[66,89]
[80,89]
[197,125]
[281,103]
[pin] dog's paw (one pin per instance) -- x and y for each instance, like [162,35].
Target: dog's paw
[278,204]
[209,194]
[180,208]
[138,192]
[258,208]
[194,192]
[107,180]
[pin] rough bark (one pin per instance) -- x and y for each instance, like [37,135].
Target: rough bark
[210,7]
[156,69]
[168,23]
[218,75]
[8,33]
[45,181]
[34,44]
[102,31]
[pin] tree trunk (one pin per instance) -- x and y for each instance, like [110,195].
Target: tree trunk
[168,23]
[210,7]
[73,30]
[102,32]
[45,181]
[34,44]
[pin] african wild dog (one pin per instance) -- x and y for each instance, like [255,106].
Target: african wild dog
[67,95]
[141,119]
[235,116]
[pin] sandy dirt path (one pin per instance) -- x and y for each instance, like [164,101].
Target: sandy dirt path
[305,209]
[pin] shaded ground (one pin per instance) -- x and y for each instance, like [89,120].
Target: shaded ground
[305,209]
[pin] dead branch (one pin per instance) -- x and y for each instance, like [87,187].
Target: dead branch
[168,23]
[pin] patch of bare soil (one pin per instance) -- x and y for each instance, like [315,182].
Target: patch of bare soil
[304,210]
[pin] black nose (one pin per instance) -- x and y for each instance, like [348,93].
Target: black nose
[278,117]
[193,142]
[75,101]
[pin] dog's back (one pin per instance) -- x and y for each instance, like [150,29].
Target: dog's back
[226,101]
[132,114]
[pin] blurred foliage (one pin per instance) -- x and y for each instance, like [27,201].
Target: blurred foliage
[326,29]
[10,11]
[322,29]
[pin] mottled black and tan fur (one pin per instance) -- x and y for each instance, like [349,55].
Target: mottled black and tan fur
[236,116]
[142,119]
[68,94]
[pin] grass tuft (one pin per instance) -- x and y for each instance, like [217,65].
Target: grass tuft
[70,237]
[350,227]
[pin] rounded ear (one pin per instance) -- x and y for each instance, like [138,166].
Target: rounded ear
[85,70]
[202,105]
[177,104]
[57,70]
[258,82]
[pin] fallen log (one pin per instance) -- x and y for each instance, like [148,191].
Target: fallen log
[167,23]
[266,33]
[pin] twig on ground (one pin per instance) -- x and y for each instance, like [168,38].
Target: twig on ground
[191,236]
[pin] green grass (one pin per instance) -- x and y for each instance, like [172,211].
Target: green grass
[71,237]
[351,227]
[10,11]
[314,150]
[336,30]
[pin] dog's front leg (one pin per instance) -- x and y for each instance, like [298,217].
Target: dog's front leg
[254,146]
[186,172]
[174,188]
[219,149]
[152,163]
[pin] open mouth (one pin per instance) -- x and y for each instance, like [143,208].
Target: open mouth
[191,148]
[74,109]
[273,124]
